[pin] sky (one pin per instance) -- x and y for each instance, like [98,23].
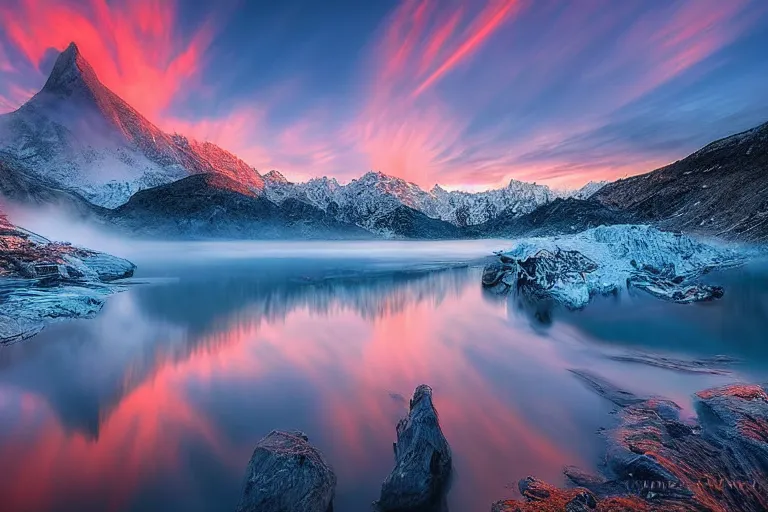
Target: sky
[468,94]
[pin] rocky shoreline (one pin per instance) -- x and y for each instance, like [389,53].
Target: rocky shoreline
[41,281]
[654,461]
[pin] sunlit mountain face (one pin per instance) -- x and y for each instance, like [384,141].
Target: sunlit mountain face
[468,94]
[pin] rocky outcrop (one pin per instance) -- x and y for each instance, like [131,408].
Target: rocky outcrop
[656,462]
[419,481]
[569,270]
[42,280]
[287,474]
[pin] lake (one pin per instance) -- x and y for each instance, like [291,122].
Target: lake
[156,404]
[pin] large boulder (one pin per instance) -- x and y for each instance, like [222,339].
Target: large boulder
[422,470]
[287,474]
[656,461]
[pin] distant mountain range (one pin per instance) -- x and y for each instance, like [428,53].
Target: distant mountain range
[77,145]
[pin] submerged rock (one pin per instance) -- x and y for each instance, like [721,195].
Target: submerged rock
[656,462]
[665,283]
[422,470]
[570,270]
[287,474]
[42,280]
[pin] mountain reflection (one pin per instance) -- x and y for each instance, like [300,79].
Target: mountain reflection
[156,403]
[165,323]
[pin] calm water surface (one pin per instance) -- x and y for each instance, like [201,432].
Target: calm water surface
[157,403]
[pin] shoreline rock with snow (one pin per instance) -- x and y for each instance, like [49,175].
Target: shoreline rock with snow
[571,269]
[41,281]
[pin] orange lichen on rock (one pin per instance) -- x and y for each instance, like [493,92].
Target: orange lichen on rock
[743,391]
[656,462]
[542,497]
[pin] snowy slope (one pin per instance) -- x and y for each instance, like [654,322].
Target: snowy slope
[77,135]
[375,195]
[587,190]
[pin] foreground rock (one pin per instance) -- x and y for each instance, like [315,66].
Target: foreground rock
[42,280]
[287,474]
[570,270]
[656,462]
[422,470]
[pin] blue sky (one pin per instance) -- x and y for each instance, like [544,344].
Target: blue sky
[468,94]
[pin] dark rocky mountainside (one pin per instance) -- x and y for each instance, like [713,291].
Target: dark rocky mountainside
[720,190]
[557,217]
[209,206]
[406,222]
[213,206]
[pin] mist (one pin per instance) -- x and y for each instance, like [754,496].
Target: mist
[58,225]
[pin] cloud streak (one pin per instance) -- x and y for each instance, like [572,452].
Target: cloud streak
[132,46]
[465,93]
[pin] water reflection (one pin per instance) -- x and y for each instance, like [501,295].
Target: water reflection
[157,403]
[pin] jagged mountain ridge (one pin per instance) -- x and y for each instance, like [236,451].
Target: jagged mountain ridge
[365,200]
[77,135]
[720,190]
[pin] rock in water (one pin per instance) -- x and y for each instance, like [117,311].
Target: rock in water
[287,474]
[657,462]
[422,461]
[570,270]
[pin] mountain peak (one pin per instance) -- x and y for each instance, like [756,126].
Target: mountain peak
[275,177]
[70,72]
[437,189]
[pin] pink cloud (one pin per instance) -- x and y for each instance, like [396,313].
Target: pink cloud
[491,18]
[132,46]
[412,122]
[5,63]
[14,97]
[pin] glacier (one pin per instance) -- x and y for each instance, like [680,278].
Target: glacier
[571,269]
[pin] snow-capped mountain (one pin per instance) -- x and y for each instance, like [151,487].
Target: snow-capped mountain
[374,195]
[469,209]
[76,134]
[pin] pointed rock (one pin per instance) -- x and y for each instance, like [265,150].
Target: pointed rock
[419,481]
